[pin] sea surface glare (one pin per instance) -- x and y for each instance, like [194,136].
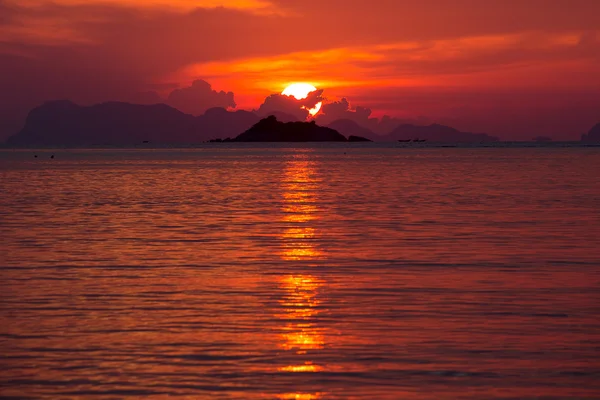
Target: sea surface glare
[323,272]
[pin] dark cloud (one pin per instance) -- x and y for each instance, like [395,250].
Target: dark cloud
[195,99]
[342,110]
[199,97]
[278,103]
[343,107]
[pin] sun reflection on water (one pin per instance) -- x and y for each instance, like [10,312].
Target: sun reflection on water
[300,185]
[300,306]
[301,368]
[300,396]
[301,302]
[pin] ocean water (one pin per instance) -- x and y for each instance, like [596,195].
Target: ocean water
[324,272]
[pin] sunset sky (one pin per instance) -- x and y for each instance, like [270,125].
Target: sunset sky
[512,68]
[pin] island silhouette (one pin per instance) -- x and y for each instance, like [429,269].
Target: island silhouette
[271,130]
[64,123]
[593,136]
[436,133]
[115,123]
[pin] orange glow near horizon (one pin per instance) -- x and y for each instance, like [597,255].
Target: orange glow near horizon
[183,5]
[453,63]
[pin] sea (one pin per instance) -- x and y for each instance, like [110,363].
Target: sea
[300,272]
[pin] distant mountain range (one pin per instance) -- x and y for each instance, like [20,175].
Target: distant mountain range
[437,133]
[347,127]
[63,123]
[593,135]
[406,132]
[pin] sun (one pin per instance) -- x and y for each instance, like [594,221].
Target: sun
[300,91]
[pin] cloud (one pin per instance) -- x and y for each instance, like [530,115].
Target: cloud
[443,62]
[182,5]
[199,97]
[289,105]
[341,110]
[337,110]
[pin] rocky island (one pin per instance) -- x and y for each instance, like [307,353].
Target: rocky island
[271,130]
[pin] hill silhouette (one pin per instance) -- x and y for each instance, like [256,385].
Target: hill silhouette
[115,123]
[220,123]
[271,130]
[64,123]
[348,127]
[436,133]
[593,136]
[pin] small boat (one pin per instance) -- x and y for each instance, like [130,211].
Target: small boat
[404,141]
[419,140]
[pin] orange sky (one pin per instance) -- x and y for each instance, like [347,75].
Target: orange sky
[506,67]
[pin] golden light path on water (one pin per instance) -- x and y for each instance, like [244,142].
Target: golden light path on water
[301,334]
